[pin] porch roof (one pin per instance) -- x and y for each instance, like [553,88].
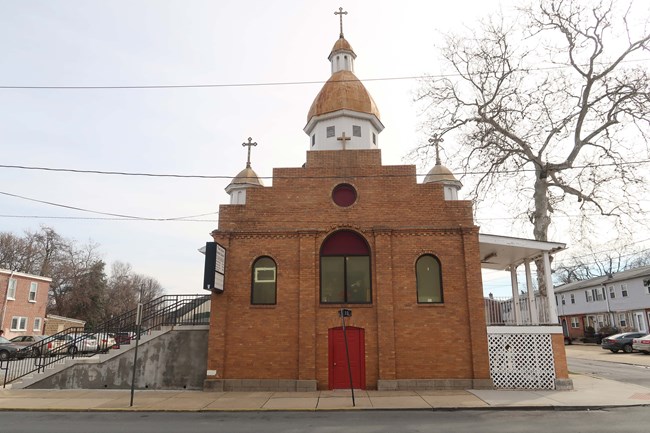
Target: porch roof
[500,252]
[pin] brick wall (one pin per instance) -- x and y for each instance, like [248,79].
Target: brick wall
[401,220]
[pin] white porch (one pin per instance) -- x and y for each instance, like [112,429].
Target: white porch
[521,328]
[531,307]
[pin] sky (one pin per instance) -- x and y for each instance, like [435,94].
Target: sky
[190,130]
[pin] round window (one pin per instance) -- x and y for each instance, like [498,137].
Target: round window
[344,195]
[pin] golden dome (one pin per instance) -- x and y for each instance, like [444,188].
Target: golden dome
[343,91]
[246,177]
[440,173]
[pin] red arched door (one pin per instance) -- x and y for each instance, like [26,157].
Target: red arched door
[338,364]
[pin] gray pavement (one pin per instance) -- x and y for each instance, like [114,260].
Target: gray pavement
[589,392]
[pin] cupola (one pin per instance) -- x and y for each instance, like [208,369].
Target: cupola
[441,174]
[247,178]
[343,115]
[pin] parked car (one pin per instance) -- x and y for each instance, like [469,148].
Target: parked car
[124,337]
[105,341]
[9,350]
[33,340]
[622,341]
[73,343]
[642,344]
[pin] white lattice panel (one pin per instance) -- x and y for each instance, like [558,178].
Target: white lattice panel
[521,361]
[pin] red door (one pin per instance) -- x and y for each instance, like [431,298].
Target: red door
[338,363]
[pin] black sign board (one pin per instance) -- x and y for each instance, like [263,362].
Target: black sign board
[215,267]
[344,312]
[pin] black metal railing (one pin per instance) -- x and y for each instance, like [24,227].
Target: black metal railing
[168,310]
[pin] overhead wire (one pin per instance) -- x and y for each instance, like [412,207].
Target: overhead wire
[277,83]
[220,176]
[122,216]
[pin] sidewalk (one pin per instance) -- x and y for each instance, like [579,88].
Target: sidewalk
[588,392]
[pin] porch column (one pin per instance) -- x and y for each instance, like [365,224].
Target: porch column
[515,294]
[532,308]
[550,292]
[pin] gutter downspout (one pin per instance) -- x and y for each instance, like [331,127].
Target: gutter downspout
[4,307]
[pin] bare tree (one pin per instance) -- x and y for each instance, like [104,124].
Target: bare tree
[126,288]
[553,105]
[599,263]
[79,287]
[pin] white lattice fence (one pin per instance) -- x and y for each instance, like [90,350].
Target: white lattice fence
[521,361]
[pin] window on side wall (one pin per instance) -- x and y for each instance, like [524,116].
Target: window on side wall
[330,131]
[356,131]
[33,289]
[624,290]
[573,298]
[11,293]
[264,279]
[37,324]
[575,322]
[428,280]
[18,323]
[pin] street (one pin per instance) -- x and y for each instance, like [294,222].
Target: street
[621,420]
[637,374]
[623,367]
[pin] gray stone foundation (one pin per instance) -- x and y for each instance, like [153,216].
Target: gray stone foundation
[563,385]
[259,385]
[432,384]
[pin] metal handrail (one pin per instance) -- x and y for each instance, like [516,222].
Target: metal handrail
[167,310]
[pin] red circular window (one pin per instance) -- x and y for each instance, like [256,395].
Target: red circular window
[344,195]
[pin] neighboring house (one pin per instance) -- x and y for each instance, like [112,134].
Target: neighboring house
[54,324]
[23,299]
[621,300]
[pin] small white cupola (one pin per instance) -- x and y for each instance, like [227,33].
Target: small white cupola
[441,174]
[343,115]
[247,178]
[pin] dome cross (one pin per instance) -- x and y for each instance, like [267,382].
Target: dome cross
[435,140]
[249,144]
[340,13]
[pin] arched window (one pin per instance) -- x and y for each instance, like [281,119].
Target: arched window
[263,287]
[429,280]
[345,269]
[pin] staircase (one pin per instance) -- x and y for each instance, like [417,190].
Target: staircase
[64,349]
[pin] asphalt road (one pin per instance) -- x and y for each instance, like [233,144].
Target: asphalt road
[596,362]
[628,373]
[621,420]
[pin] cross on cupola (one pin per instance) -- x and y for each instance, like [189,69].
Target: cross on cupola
[249,144]
[435,140]
[340,13]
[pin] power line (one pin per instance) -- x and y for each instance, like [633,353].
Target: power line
[102,213]
[276,83]
[205,176]
[106,218]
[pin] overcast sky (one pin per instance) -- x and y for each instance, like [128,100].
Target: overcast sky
[188,131]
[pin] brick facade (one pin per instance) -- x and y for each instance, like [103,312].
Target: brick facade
[400,220]
[20,309]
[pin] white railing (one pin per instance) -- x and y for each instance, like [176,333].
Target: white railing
[507,311]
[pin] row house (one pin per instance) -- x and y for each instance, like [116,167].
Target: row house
[23,300]
[621,300]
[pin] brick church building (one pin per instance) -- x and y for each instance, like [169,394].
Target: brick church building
[345,231]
